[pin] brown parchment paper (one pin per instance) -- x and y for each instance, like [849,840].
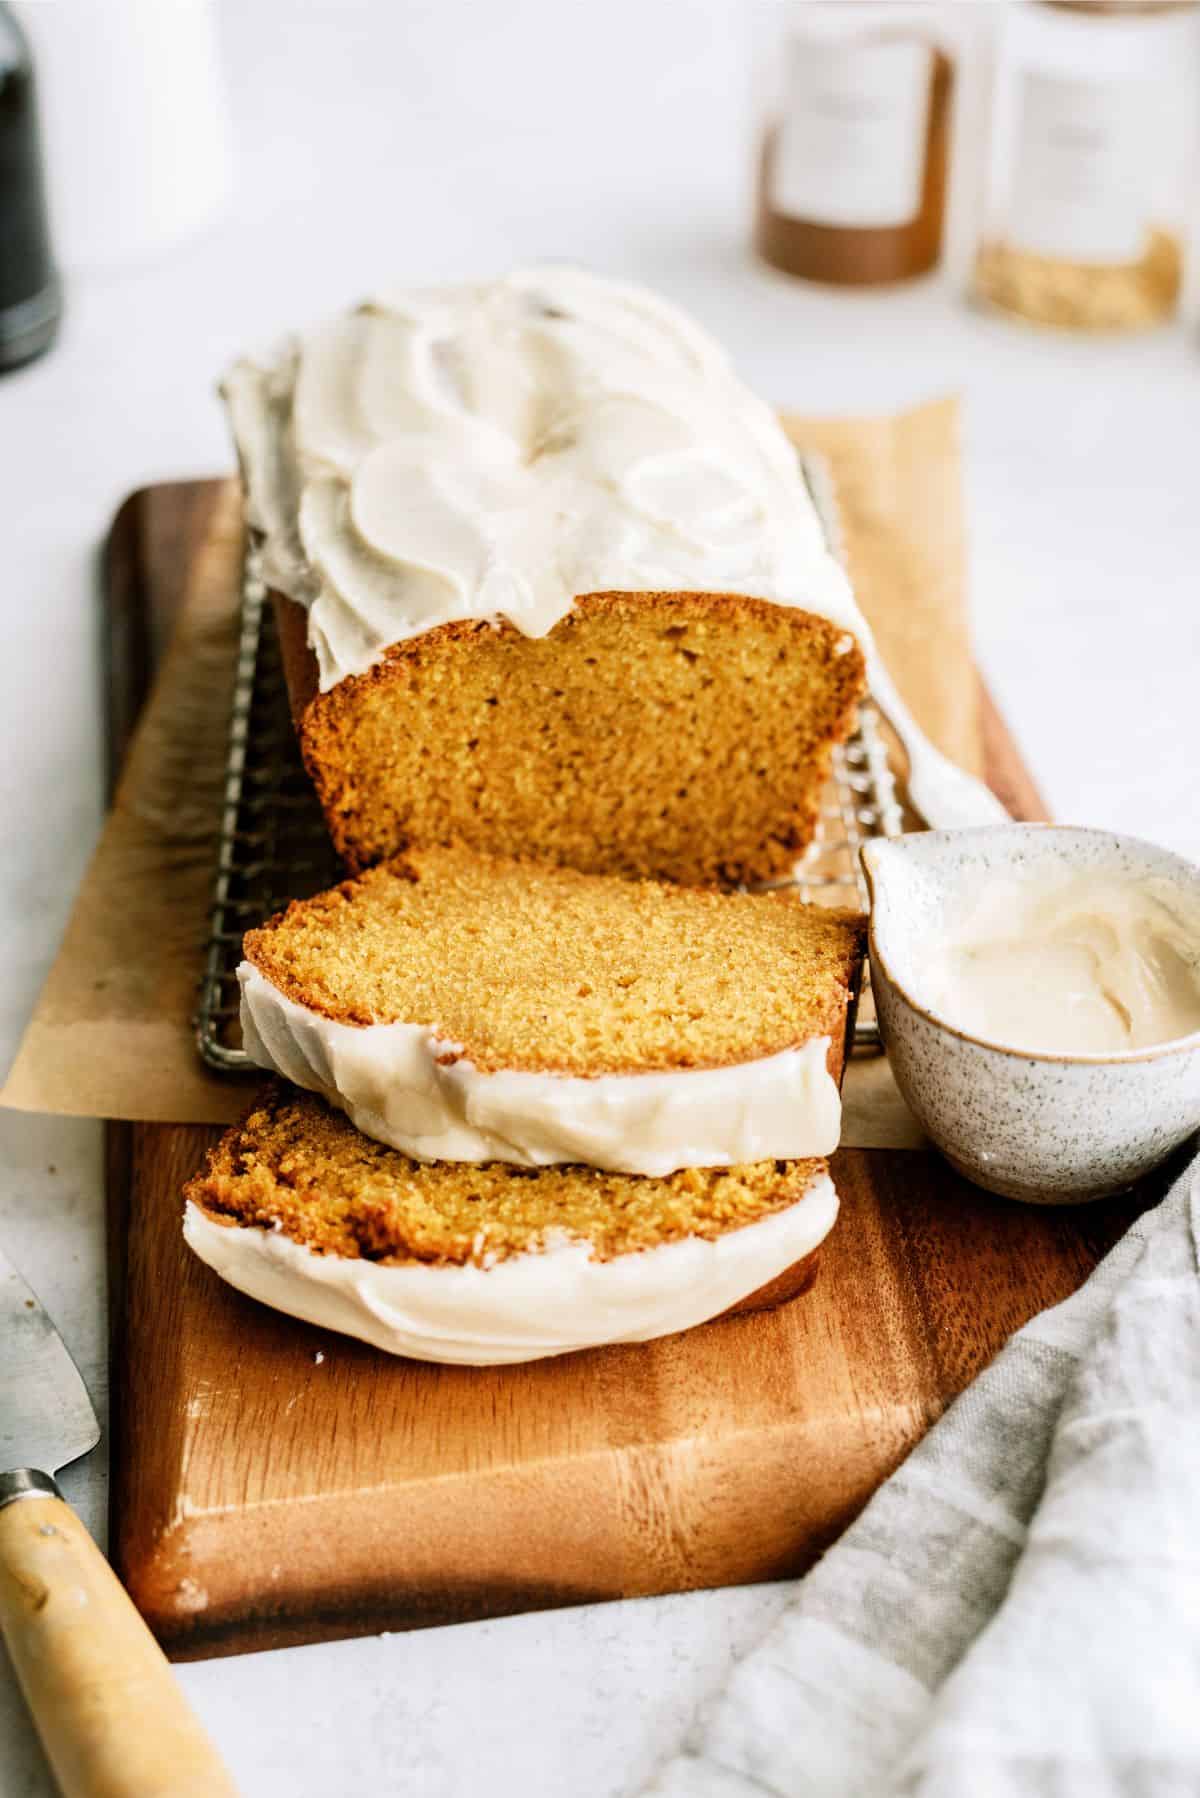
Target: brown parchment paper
[111,1033]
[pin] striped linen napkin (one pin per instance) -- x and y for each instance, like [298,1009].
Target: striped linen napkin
[1016,1614]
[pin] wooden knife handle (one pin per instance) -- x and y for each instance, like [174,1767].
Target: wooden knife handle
[112,1718]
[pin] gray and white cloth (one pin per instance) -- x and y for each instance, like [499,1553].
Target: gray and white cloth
[1017,1611]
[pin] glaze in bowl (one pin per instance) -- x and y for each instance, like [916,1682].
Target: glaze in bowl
[1045,1128]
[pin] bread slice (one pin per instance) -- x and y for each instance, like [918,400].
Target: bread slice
[682,735]
[466,1007]
[549,970]
[491,1263]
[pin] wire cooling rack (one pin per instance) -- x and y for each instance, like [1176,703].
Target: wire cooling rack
[273,846]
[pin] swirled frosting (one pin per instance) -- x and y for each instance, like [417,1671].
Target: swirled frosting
[497,451]
[525,1307]
[402,1085]
[1080,964]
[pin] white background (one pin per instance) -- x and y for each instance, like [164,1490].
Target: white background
[380,141]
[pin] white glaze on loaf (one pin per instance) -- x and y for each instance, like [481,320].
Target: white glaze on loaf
[497,451]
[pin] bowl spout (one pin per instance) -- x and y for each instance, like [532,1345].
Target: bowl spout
[912,880]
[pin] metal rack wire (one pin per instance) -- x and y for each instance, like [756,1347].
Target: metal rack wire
[272,844]
[273,847]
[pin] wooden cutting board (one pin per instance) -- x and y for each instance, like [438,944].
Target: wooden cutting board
[275,1483]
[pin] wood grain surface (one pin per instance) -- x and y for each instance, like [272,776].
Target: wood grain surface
[275,1483]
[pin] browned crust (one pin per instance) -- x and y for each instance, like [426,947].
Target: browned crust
[253,1179]
[835,1019]
[794,1281]
[297,1167]
[321,718]
[791,1284]
[300,669]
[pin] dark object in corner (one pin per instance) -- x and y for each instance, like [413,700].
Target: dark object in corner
[30,296]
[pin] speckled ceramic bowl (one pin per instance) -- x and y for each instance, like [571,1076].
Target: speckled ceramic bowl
[1047,1128]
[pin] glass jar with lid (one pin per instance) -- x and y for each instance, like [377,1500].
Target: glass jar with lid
[853,155]
[1091,162]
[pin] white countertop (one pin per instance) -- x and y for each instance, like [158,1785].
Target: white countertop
[438,139]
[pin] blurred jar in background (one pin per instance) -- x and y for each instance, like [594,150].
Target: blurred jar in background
[29,290]
[138,145]
[1091,162]
[854,152]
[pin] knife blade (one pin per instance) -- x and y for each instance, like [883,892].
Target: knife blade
[46,1417]
[112,1719]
